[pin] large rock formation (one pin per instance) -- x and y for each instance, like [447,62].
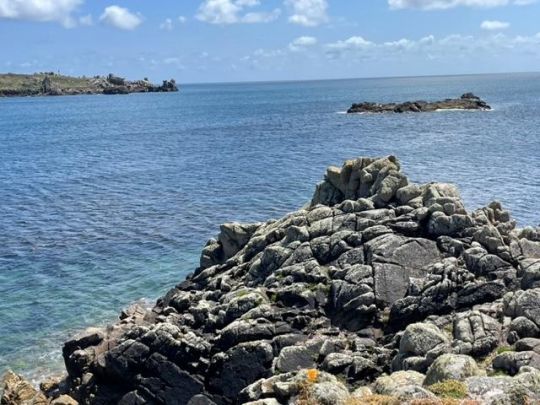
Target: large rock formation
[379,286]
[467,101]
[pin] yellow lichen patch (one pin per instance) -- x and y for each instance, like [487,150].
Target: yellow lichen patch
[312,375]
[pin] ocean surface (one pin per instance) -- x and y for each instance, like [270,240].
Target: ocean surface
[106,200]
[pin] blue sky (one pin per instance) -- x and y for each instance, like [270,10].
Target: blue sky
[245,40]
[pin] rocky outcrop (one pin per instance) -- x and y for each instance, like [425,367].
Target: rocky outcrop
[378,286]
[467,101]
[51,84]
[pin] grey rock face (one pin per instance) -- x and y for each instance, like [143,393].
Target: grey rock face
[475,333]
[511,362]
[395,259]
[391,384]
[420,344]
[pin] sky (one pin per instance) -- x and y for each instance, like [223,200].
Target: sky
[198,41]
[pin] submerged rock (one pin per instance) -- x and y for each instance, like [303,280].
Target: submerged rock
[467,101]
[372,284]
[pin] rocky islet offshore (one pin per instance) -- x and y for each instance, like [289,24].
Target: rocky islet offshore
[378,290]
[467,101]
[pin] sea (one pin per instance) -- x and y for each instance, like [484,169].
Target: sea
[108,200]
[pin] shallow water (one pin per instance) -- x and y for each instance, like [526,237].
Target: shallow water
[107,200]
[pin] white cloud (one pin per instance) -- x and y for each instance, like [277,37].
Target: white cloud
[429,47]
[166,25]
[253,18]
[234,12]
[301,43]
[182,19]
[352,43]
[446,4]
[402,44]
[40,10]
[494,25]
[309,13]
[121,18]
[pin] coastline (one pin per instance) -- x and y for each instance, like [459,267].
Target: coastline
[235,304]
[51,84]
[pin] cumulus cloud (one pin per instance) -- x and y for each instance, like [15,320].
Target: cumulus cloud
[430,47]
[121,18]
[40,10]
[234,12]
[309,13]
[182,19]
[352,43]
[494,25]
[301,43]
[445,4]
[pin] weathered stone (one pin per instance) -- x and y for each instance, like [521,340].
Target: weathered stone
[18,391]
[395,259]
[420,338]
[511,362]
[294,358]
[239,366]
[476,333]
[451,367]
[389,384]
[497,391]
[523,303]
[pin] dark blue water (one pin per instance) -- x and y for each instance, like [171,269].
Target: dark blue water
[108,200]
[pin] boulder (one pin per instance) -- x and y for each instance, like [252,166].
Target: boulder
[420,338]
[511,362]
[523,303]
[451,367]
[497,391]
[232,371]
[16,390]
[390,384]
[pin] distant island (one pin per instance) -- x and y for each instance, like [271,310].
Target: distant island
[53,84]
[467,101]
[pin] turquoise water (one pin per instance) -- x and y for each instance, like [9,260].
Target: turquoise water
[108,200]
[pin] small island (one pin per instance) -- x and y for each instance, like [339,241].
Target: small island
[467,101]
[53,84]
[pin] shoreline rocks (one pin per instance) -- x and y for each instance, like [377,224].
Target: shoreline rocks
[379,287]
[467,101]
[51,84]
